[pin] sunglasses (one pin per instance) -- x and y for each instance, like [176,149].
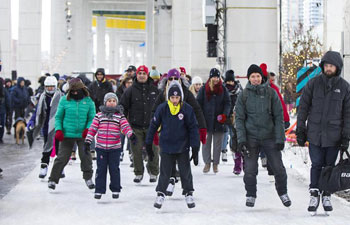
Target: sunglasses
[173,78]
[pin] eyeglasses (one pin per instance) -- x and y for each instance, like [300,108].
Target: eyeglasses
[173,78]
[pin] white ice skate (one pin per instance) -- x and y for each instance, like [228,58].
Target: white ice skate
[171,186]
[159,200]
[190,201]
[43,170]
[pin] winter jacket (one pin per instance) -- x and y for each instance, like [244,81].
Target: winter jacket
[217,105]
[72,116]
[325,104]
[108,131]
[120,91]
[260,116]
[178,133]
[5,100]
[284,107]
[138,101]
[20,96]
[98,90]
[188,98]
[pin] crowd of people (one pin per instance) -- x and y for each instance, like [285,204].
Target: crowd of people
[162,119]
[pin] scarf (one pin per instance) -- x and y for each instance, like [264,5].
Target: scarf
[79,96]
[217,90]
[110,111]
[174,110]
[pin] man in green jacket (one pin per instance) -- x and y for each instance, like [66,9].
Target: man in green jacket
[260,126]
[74,116]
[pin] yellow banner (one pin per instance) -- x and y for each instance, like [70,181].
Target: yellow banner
[122,23]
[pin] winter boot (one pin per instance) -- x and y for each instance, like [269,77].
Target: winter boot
[286,200]
[51,185]
[159,200]
[189,200]
[224,155]
[206,168]
[326,202]
[121,156]
[98,196]
[138,178]
[171,186]
[314,200]
[215,168]
[90,184]
[250,201]
[238,163]
[43,170]
[73,156]
[115,195]
[152,178]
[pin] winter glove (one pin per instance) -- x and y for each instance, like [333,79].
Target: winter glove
[242,148]
[59,135]
[194,156]
[87,148]
[344,145]
[280,146]
[85,132]
[150,152]
[221,118]
[156,139]
[286,125]
[301,137]
[133,139]
[203,135]
[30,125]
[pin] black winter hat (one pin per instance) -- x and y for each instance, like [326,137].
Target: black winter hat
[57,76]
[229,75]
[254,69]
[214,73]
[174,91]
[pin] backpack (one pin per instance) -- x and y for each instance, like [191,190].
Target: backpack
[269,93]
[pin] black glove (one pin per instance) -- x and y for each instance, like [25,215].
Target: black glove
[280,146]
[150,152]
[301,137]
[286,125]
[194,156]
[344,144]
[133,139]
[242,148]
[87,148]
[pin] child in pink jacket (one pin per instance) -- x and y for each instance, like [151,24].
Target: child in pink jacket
[108,126]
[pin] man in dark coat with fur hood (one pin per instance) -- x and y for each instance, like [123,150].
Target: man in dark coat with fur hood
[99,88]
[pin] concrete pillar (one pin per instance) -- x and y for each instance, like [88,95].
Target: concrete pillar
[150,33]
[256,39]
[29,40]
[101,45]
[162,40]
[111,60]
[5,38]
[347,40]
[181,34]
[200,63]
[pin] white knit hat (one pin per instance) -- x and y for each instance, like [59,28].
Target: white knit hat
[197,80]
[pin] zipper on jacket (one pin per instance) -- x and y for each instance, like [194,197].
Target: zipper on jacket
[77,127]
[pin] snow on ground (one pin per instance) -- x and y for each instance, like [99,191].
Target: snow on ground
[220,199]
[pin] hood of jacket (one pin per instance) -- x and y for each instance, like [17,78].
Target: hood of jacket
[19,80]
[333,58]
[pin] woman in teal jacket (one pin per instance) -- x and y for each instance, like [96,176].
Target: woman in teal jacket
[74,116]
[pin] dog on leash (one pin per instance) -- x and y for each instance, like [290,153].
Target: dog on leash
[20,129]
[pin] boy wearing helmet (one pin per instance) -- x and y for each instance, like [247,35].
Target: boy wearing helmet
[43,119]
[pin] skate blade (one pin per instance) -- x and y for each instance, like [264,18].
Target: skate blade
[313,213]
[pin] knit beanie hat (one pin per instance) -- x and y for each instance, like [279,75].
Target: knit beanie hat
[142,68]
[175,89]
[254,69]
[229,75]
[182,70]
[197,80]
[173,73]
[154,74]
[263,67]
[214,73]
[109,95]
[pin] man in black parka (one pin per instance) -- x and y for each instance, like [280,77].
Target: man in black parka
[325,105]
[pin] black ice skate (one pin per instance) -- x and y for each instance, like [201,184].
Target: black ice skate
[286,200]
[250,201]
[138,178]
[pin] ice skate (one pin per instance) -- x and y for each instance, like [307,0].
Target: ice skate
[250,201]
[97,195]
[51,185]
[314,201]
[138,178]
[152,178]
[171,186]
[189,200]
[90,184]
[115,195]
[159,200]
[286,200]
[43,170]
[326,202]
[224,155]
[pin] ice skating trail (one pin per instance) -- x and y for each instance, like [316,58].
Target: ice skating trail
[220,199]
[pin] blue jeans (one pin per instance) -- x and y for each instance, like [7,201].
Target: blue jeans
[251,166]
[231,132]
[320,157]
[110,159]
